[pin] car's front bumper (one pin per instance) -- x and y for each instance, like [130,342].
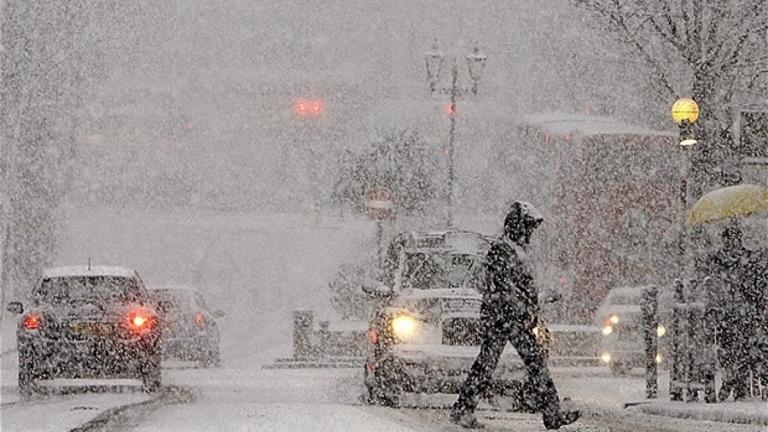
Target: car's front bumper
[441,368]
[631,353]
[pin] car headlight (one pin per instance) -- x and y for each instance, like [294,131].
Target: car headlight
[605,357]
[661,330]
[607,330]
[404,326]
[614,319]
[658,358]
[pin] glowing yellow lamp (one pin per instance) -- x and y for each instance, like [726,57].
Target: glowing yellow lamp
[685,109]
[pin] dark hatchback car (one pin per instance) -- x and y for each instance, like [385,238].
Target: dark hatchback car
[88,322]
[189,329]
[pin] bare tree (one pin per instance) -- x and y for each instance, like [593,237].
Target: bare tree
[51,58]
[713,50]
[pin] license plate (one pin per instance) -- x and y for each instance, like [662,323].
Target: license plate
[466,306]
[92,329]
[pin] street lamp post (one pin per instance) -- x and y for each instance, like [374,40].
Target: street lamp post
[685,112]
[434,60]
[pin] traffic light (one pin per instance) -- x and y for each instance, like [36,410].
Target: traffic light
[309,107]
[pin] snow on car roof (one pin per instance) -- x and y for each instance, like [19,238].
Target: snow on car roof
[459,240]
[628,290]
[587,125]
[68,271]
[171,288]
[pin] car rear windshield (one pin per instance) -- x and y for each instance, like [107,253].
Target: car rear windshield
[73,289]
[441,270]
[173,301]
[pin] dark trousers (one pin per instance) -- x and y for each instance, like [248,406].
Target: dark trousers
[735,370]
[521,336]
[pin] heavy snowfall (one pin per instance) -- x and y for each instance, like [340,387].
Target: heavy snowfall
[338,215]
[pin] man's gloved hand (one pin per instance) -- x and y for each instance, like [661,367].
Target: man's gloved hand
[550,296]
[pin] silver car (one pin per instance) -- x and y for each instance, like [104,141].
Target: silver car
[620,318]
[189,327]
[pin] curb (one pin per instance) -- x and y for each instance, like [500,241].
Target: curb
[712,414]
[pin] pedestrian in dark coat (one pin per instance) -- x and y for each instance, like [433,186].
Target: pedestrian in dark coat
[509,313]
[757,296]
[730,271]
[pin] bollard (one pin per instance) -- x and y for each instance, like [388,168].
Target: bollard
[650,326]
[324,338]
[302,331]
[675,390]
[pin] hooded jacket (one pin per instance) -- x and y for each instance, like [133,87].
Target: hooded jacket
[509,280]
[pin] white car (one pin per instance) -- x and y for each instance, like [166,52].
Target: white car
[426,332]
[620,318]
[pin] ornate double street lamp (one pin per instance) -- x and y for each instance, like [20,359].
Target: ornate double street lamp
[435,60]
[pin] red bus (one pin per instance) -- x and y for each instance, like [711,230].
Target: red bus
[610,193]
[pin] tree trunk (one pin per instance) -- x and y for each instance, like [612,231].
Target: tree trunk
[711,160]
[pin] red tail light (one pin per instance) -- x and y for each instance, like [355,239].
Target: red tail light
[373,336]
[33,321]
[141,320]
[200,320]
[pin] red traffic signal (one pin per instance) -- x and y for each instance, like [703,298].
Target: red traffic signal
[309,107]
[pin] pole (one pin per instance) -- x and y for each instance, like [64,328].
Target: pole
[651,324]
[380,243]
[684,162]
[710,330]
[451,133]
[679,351]
[675,372]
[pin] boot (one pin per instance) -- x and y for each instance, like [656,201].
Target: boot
[560,419]
[466,420]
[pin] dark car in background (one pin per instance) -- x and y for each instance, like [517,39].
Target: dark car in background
[88,322]
[189,328]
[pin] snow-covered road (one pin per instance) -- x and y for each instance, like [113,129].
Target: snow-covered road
[246,397]
[259,268]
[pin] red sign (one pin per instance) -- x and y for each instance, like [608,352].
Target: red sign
[380,203]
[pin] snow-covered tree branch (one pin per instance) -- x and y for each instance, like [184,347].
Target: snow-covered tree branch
[709,50]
